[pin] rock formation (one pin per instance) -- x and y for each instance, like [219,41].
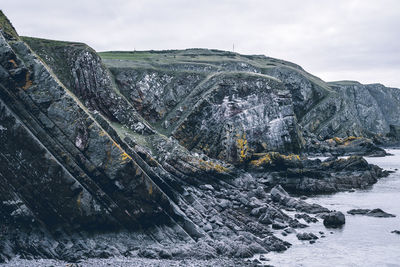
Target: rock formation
[170,154]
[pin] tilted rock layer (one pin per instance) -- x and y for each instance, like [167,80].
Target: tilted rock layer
[165,154]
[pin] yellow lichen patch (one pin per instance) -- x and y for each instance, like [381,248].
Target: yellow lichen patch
[12,61]
[209,165]
[349,139]
[270,157]
[263,160]
[291,157]
[125,156]
[205,148]
[116,145]
[79,199]
[338,140]
[28,82]
[242,147]
[343,141]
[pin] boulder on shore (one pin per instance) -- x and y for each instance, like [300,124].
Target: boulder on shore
[372,213]
[306,236]
[334,219]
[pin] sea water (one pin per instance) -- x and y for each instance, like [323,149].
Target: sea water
[363,241]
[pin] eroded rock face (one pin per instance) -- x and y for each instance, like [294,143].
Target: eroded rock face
[226,115]
[63,172]
[354,110]
[241,115]
[80,69]
[394,133]
[153,92]
[314,176]
[209,104]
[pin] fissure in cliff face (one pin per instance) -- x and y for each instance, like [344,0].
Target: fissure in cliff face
[167,154]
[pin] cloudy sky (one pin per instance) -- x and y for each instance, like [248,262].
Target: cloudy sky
[333,39]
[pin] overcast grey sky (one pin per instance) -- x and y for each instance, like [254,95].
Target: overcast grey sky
[333,39]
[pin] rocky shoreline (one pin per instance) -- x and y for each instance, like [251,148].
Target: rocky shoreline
[241,220]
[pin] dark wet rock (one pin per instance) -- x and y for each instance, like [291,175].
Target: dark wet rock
[256,261]
[372,213]
[278,225]
[370,109]
[263,258]
[393,135]
[272,214]
[290,230]
[358,211]
[332,175]
[306,236]
[279,195]
[334,219]
[379,213]
[350,145]
[307,218]
[294,223]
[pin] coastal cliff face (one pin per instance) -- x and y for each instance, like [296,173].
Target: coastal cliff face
[169,154]
[355,110]
[212,100]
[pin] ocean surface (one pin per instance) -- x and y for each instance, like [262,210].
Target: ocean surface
[363,241]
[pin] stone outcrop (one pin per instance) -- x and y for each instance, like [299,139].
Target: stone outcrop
[372,213]
[314,176]
[334,219]
[215,101]
[394,133]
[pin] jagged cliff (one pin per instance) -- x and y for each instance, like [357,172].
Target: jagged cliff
[168,154]
[213,100]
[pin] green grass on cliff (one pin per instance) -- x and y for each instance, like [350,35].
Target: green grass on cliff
[42,43]
[344,83]
[7,27]
[126,55]
[56,54]
[172,56]
[203,60]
